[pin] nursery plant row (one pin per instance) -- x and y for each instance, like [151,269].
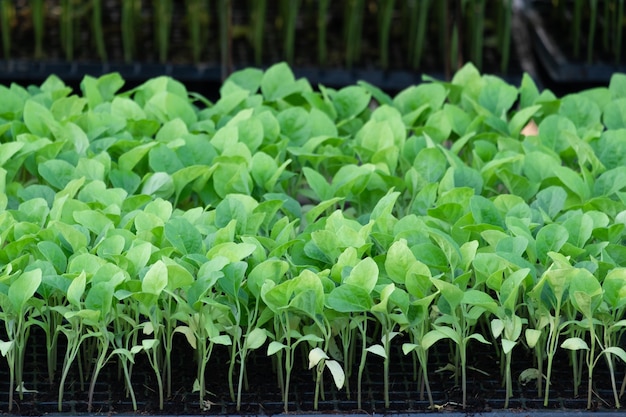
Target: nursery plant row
[287,220]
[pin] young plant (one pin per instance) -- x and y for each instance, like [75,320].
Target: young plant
[459,312]
[163,10]
[354,297]
[7,17]
[290,16]
[130,13]
[549,297]
[291,301]
[508,325]
[258,29]
[402,267]
[386,16]
[38,11]
[98,31]
[16,305]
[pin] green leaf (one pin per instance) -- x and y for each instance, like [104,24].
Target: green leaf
[337,372]
[550,238]
[532,337]
[76,290]
[275,347]
[5,347]
[278,82]
[315,356]
[57,173]
[23,288]
[349,298]
[377,350]
[611,148]
[497,96]
[617,86]
[350,102]
[610,182]
[615,114]
[574,343]
[521,118]
[617,351]
[183,236]
[433,337]
[158,184]
[364,275]
[485,212]
[155,280]
[165,106]
[256,338]
[583,112]
[39,119]
[232,251]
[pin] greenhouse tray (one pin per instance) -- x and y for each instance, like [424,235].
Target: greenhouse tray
[208,77]
[555,61]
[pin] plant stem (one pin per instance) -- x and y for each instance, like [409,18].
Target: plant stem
[420,36]
[98,32]
[576,27]
[225,28]
[385,27]
[37,7]
[618,31]
[592,30]
[102,351]
[291,16]
[505,47]
[7,13]
[258,29]
[322,12]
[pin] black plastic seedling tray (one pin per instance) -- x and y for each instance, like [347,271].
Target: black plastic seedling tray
[262,397]
[554,59]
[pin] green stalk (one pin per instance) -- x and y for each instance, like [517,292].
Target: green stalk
[385,27]
[163,24]
[103,347]
[576,27]
[98,31]
[609,361]
[37,7]
[592,30]
[354,27]
[225,27]
[74,340]
[454,49]
[508,379]
[7,12]
[618,31]
[591,354]
[322,11]
[290,18]
[477,18]
[67,29]
[606,28]
[258,29]
[195,8]
[362,325]
[444,35]
[505,46]
[420,33]
[130,11]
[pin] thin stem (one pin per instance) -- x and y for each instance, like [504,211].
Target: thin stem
[385,27]
[37,7]
[322,12]
[98,31]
